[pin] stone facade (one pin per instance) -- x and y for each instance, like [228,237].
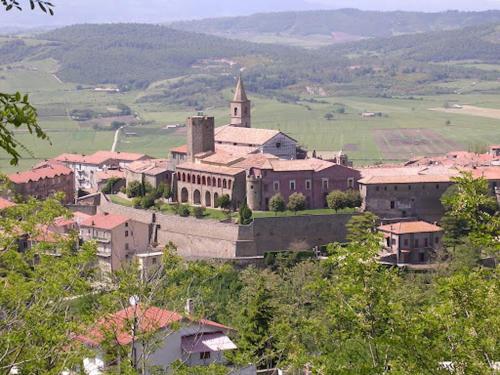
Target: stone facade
[410,242]
[314,184]
[200,136]
[240,107]
[44,181]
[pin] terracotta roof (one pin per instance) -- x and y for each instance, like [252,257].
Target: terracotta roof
[246,136]
[261,161]
[300,165]
[77,218]
[405,175]
[151,167]
[222,158]
[104,221]
[180,150]
[110,173]
[410,227]
[489,173]
[208,168]
[148,320]
[412,179]
[4,203]
[99,157]
[49,171]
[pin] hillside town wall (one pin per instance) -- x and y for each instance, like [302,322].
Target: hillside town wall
[195,238]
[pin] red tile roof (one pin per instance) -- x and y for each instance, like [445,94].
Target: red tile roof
[49,171]
[300,165]
[100,157]
[110,173]
[104,221]
[208,168]
[489,173]
[150,167]
[4,203]
[180,150]
[410,227]
[119,324]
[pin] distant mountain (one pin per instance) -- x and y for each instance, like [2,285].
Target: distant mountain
[350,21]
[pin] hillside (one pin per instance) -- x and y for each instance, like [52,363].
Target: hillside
[352,22]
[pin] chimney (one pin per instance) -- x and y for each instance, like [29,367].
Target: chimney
[189,308]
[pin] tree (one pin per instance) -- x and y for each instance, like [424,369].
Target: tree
[183,210]
[108,188]
[245,214]
[45,6]
[199,212]
[329,116]
[277,203]
[224,202]
[353,198]
[296,202]
[361,227]
[148,201]
[336,200]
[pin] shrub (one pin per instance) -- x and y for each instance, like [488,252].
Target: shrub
[277,203]
[134,189]
[137,202]
[183,210]
[336,200]
[224,202]
[199,212]
[296,202]
[148,201]
[108,187]
[353,199]
[245,214]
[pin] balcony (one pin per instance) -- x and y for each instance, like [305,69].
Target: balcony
[104,251]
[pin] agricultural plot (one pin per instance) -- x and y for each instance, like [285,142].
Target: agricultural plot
[471,111]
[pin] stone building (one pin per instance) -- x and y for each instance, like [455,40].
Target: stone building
[153,172]
[118,238]
[405,192]
[314,178]
[240,107]
[413,242]
[44,181]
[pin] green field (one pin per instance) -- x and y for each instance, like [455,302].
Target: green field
[400,133]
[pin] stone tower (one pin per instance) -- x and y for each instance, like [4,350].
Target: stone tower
[200,135]
[240,107]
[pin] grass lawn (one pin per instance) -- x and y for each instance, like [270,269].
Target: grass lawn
[209,213]
[322,211]
[121,201]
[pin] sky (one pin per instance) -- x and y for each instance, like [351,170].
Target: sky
[157,11]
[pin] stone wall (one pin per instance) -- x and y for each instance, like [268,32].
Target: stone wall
[195,238]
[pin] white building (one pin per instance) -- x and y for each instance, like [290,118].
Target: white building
[176,337]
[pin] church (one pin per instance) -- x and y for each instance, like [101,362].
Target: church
[250,164]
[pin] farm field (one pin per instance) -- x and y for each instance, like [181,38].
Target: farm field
[472,111]
[404,128]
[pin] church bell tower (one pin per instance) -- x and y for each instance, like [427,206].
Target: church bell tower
[240,107]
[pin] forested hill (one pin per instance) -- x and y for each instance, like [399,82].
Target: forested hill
[471,43]
[121,53]
[350,21]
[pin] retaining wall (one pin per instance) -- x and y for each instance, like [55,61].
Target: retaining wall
[196,238]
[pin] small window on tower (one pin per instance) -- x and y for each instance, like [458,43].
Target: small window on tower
[236,111]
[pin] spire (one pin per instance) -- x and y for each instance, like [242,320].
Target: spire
[240,94]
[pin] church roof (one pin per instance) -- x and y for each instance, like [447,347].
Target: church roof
[240,94]
[247,136]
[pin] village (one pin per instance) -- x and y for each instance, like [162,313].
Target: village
[115,198]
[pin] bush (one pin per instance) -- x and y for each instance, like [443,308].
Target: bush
[134,189]
[245,214]
[353,198]
[108,187]
[148,201]
[224,202]
[277,203]
[183,210]
[199,212]
[336,200]
[296,202]
[137,202]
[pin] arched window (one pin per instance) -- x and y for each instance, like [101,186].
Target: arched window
[213,181]
[184,195]
[209,181]
[183,177]
[208,199]
[196,197]
[178,176]
[203,180]
[224,184]
[229,183]
[236,111]
[198,180]
[218,182]
[189,177]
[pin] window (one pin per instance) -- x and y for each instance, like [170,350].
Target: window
[388,241]
[350,182]
[406,242]
[126,246]
[426,242]
[126,233]
[395,187]
[292,185]
[393,204]
[436,240]
[308,184]
[205,355]
[385,188]
[324,184]
[437,186]
[154,260]
[126,225]
[415,243]
[421,257]
[276,186]
[278,144]
[409,187]
[377,188]
[236,111]
[393,241]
